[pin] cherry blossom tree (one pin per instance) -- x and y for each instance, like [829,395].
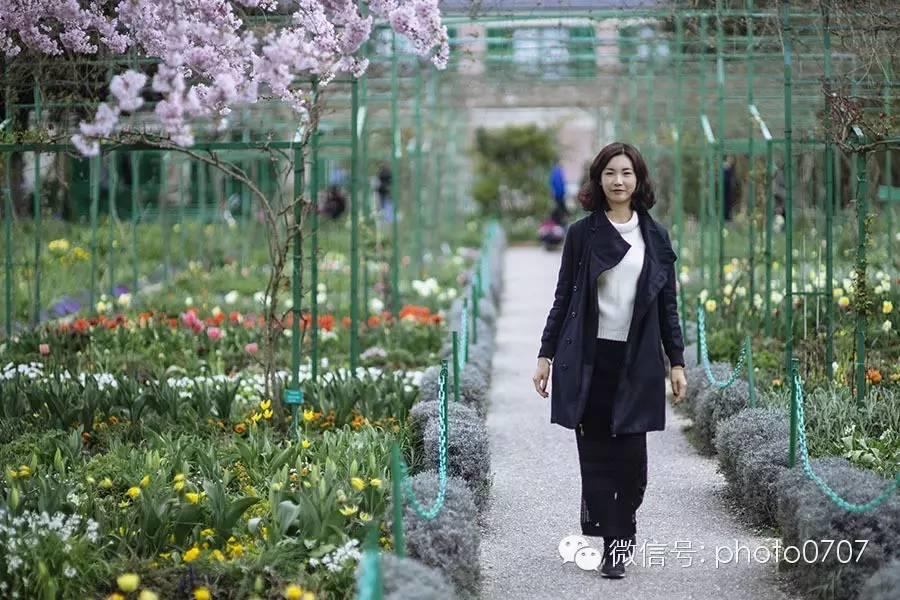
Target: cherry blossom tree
[214,55]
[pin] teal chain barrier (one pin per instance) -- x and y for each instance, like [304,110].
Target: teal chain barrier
[704,353]
[409,493]
[807,467]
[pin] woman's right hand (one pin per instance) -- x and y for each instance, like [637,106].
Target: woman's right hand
[542,376]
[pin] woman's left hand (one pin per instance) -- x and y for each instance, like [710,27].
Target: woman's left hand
[679,384]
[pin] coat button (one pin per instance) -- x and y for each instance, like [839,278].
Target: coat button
[568,340]
[575,289]
[564,366]
[573,314]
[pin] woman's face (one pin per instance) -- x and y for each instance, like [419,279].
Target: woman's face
[618,180]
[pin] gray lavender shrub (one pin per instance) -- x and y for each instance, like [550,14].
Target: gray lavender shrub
[698,382]
[805,513]
[450,542]
[714,405]
[405,578]
[752,447]
[468,446]
[884,584]
[473,388]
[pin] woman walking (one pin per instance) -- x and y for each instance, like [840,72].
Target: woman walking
[615,305]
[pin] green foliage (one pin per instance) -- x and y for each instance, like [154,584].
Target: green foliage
[512,169]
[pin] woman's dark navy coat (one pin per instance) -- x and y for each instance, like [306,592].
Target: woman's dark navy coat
[592,246]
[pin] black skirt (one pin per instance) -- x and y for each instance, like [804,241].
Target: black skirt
[613,468]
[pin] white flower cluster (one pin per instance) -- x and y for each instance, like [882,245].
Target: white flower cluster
[251,390]
[35,371]
[425,287]
[21,534]
[336,560]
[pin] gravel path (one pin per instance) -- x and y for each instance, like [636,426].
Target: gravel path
[536,490]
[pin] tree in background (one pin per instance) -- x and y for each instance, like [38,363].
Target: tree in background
[511,169]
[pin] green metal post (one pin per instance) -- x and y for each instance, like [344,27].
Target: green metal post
[95,202]
[395,179]
[36,314]
[679,132]
[701,210]
[113,217]
[829,209]
[789,184]
[354,229]
[314,237]
[888,170]
[135,161]
[632,97]
[751,192]
[7,220]
[163,205]
[297,274]
[770,217]
[417,177]
[720,146]
[7,239]
[456,353]
[862,210]
[365,194]
[202,194]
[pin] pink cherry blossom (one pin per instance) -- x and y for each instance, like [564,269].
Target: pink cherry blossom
[212,59]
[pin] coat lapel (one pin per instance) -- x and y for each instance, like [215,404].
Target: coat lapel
[653,275]
[606,247]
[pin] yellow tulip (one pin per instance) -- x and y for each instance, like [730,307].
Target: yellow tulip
[358,484]
[348,510]
[192,497]
[147,595]
[133,492]
[128,582]
[293,592]
[710,305]
[887,307]
[843,301]
[306,443]
[376,483]
[145,481]
[309,415]
[217,555]
[191,555]
[202,593]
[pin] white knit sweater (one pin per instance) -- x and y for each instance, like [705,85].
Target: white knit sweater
[616,287]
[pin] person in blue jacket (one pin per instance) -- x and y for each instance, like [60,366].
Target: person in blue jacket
[558,185]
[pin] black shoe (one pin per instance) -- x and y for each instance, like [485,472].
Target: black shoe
[613,569]
[613,559]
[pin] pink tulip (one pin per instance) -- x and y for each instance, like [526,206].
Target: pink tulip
[251,348]
[214,333]
[44,349]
